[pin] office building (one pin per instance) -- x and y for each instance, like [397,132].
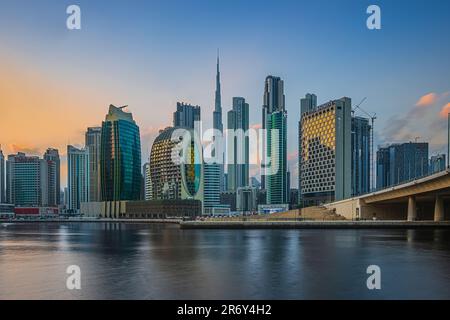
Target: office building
[238,145]
[228,198]
[437,163]
[148,193]
[361,149]
[212,185]
[186,115]
[25,180]
[2,177]
[93,143]
[276,174]
[52,169]
[176,166]
[254,182]
[246,200]
[325,160]
[77,178]
[273,101]
[401,162]
[120,157]
[307,104]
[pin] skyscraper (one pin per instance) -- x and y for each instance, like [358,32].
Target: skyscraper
[325,162]
[2,177]
[401,162]
[212,185]
[93,143]
[361,149]
[273,101]
[218,125]
[77,177]
[176,179]
[53,190]
[238,145]
[25,180]
[147,182]
[277,178]
[120,157]
[186,115]
[437,163]
[307,104]
[217,115]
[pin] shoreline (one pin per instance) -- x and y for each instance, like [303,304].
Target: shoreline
[314,225]
[86,220]
[230,225]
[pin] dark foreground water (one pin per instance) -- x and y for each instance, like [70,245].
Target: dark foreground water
[142,261]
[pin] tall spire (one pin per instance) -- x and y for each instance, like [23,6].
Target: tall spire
[218,105]
[218,99]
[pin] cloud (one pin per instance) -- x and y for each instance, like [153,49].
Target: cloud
[427,100]
[29,150]
[292,156]
[423,121]
[445,111]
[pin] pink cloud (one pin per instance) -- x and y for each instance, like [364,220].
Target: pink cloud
[445,111]
[292,156]
[427,100]
[256,126]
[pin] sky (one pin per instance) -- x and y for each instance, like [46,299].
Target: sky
[55,82]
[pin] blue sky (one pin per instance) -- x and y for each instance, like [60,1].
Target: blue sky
[151,54]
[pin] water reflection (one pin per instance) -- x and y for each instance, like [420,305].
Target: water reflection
[140,261]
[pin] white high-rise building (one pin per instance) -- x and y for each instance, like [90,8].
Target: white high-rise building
[93,140]
[148,191]
[77,177]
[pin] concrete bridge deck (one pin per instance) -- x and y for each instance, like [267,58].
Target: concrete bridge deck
[427,198]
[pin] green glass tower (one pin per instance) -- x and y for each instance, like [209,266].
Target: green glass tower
[277,179]
[120,157]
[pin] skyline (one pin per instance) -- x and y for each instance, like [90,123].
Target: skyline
[57,82]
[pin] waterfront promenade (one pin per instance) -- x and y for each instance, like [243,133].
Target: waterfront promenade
[246,223]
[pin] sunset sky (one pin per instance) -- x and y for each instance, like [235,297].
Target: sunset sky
[55,82]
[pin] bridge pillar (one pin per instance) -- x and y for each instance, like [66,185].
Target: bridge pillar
[439,209]
[412,208]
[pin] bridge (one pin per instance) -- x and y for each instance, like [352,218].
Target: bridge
[427,198]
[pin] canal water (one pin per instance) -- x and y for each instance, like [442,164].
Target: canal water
[160,261]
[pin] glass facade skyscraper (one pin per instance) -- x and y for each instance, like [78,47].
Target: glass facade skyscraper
[170,177]
[437,163]
[401,162]
[53,187]
[186,115]
[93,142]
[273,101]
[238,145]
[325,161]
[361,148]
[120,157]
[2,178]
[77,177]
[24,181]
[277,178]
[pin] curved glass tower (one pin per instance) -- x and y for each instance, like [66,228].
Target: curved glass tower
[120,157]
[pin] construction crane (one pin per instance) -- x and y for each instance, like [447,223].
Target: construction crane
[372,117]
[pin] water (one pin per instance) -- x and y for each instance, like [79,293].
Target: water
[149,261]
